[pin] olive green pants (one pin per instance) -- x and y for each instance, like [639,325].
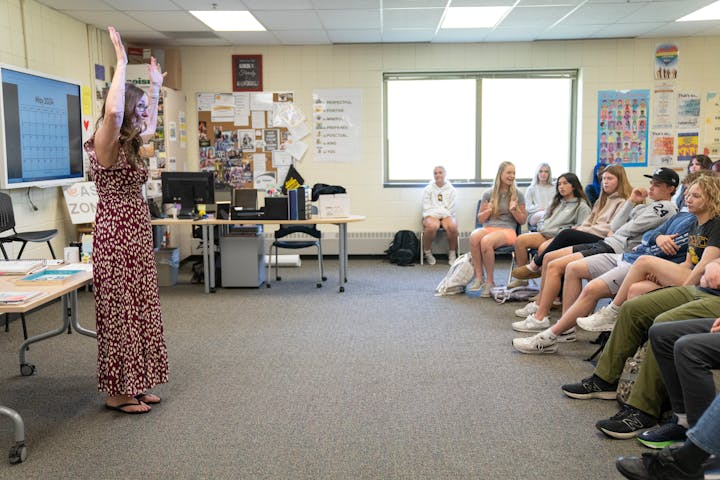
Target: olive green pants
[631,331]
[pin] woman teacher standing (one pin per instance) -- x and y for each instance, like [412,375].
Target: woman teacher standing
[132,357]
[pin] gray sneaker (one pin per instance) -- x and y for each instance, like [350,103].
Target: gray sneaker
[531,324]
[601,321]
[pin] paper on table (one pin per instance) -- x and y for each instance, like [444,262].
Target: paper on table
[78,266]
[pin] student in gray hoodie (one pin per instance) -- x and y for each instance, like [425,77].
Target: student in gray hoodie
[568,208]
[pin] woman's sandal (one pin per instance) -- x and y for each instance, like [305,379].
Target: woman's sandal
[139,397]
[119,408]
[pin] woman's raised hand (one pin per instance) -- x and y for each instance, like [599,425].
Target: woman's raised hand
[155,72]
[120,52]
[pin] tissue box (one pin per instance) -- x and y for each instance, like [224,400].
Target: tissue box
[337,205]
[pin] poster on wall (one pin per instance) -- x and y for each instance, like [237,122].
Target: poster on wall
[688,110]
[337,117]
[711,131]
[662,148]
[667,58]
[687,146]
[663,115]
[622,127]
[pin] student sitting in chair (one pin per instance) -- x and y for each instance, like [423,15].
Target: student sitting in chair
[500,212]
[439,211]
[539,194]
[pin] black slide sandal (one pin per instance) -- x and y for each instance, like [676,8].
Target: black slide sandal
[119,408]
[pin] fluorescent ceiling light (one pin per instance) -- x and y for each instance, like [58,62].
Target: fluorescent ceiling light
[473,17]
[711,12]
[229,21]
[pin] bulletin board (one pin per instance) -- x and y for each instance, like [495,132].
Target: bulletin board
[244,137]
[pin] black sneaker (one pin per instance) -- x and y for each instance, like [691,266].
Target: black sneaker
[657,465]
[591,387]
[663,436]
[627,423]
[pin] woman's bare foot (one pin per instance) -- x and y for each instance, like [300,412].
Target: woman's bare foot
[126,404]
[148,398]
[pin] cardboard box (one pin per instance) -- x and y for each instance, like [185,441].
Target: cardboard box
[168,58]
[334,206]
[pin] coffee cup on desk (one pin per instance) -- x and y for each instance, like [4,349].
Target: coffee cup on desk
[71,255]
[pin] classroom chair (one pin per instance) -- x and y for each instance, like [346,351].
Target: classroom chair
[7,222]
[315,240]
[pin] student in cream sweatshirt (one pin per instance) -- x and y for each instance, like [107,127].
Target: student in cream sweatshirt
[439,210]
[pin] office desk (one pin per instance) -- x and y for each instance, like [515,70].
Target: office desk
[208,234]
[68,292]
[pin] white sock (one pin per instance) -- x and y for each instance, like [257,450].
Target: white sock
[614,308]
[427,252]
[549,334]
[532,267]
[682,420]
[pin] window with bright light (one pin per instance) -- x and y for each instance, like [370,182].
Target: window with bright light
[471,122]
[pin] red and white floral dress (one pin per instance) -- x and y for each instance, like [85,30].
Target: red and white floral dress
[132,356]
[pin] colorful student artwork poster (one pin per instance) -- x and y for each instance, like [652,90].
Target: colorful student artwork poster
[667,57]
[623,127]
[688,110]
[662,148]
[711,132]
[687,146]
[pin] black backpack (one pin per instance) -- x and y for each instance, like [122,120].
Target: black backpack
[404,248]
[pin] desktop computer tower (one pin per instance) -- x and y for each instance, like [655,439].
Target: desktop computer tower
[242,257]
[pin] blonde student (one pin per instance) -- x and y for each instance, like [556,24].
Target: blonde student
[539,194]
[501,210]
[439,211]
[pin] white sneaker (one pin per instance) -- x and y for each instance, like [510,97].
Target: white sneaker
[518,283]
[567,336]
[452,256]
[531,324]
[540,343]
[528,309]
[430,258]
[601,321]
[476,286]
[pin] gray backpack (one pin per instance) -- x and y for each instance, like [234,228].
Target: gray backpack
[459,275]
[517,294]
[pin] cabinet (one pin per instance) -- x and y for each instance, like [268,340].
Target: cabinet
[242,258]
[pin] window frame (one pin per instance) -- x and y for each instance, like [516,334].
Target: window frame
[572,74]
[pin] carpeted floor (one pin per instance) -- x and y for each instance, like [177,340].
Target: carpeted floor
[384,381]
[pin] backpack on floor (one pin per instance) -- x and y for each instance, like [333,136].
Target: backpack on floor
[404,248]
[457,278]
[629,374]
[517,294]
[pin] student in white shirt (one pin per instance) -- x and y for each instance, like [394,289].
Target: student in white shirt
[439,210]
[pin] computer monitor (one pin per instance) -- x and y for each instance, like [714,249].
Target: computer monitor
[188,189]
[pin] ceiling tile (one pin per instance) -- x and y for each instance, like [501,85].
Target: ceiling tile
[531,16]
[483,3]
[625,30]
[594,14]
[75,5]
[501,34]
[156,5]
[355,36]
[302,37]
[414,3]
[248,38]
[288,19]
[346,4]
[414,18]
[171,21]
[278,4]
[662,11]
[208,4]
[565,32]
[456,35]
[408,35]
[102,19]
[350,19]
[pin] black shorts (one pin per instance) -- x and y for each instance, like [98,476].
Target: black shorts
[590,249]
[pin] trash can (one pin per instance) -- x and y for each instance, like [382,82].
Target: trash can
[167,261]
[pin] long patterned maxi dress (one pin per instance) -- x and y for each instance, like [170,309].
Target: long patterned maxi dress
[132,356]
